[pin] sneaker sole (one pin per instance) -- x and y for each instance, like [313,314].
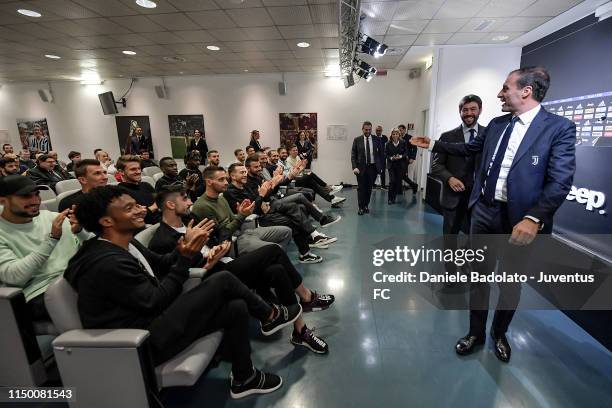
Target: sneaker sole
[319,246]
[331,223]
[256,391]
[329,241]
[315,309]
[280,326]
[337,202]
[319,260]
[295,343]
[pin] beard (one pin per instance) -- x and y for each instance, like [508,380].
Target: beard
[466,119]
[23,213]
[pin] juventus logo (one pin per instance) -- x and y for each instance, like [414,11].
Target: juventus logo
[535,160]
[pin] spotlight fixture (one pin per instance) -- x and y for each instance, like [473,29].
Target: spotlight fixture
[29,13]
[146,3]
[364,70]
[368,45]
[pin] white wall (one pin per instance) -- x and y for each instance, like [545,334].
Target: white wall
[464,70]
[232,106]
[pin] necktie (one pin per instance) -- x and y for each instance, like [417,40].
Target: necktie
[494,168]
[368,160]
[472,133]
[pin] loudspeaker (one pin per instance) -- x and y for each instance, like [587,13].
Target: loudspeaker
[414,73]
[282,88]
[161,91]
[45,95]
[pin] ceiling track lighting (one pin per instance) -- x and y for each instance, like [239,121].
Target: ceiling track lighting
[368,45]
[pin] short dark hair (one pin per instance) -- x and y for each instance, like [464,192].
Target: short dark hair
[366,123]
[192,155]
[94,205]
[251,159]
[535,77]
[96,151]
[125,159]
[237,151]
[249,147]
[401,125]
[280,148]
[233,166]
[6,144]
[80,170]
[43,157]
[166,191]
[470,98]
[163,160]
[210,171]
[73,154]
[211,152]
[6,160]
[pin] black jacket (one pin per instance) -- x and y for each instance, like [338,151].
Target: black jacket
[255,145]
[46,178]
[201,147]
[235,196]
[200,185]
[446,166]
[392,150]
[115,290]
[165,239]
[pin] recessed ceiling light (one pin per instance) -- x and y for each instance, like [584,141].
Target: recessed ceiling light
[303,44]
[146,3]
[213,47]
[128,52]
[181,72]
[29,13]
[500,38]
[51,56]
[246,70]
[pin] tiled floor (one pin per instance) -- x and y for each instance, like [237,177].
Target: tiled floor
[405,358]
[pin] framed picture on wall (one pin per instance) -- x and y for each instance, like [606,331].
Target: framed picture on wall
[292,124]
[134,134]
[182,128]
[34,135]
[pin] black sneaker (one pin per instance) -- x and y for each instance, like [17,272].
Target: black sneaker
[308,339]
[320,241]
[261,383]
[328,220]
[284,317]
[310,258]
[317,303]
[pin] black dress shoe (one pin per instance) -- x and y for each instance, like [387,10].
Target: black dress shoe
[360,211]
[366,210]
[415,188]
[467,345]
[389,202]
[501,347]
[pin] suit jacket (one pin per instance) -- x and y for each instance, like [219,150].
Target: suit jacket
[200,146]
[383,143]
[412,149]
[255,145]
[306,150]
[541,173]
[46,178]
[446,166]
[391,150]
[358,153]
[144,144]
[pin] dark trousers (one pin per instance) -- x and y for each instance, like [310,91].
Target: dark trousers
[395,181]
[314,183]
[38,309]
[383,178]
[493,219]
[300,232]
[365,182]
[406,178]
[455,220]
[218,302]
[307,192]
[265,268]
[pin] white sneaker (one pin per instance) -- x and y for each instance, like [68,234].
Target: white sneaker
[337,200]
[336,189]
[310,258]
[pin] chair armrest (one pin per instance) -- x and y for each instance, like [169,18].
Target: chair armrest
[101,338]
[8,293]
[252,217]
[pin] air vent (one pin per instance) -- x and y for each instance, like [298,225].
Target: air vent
[484,25]
[174,59]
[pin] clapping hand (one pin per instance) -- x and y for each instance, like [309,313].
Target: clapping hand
[264,189]
[75,227]
[278,171]
[420,141]
[191,181]
[195,237]
[246,207]
[216,253]
[56,225]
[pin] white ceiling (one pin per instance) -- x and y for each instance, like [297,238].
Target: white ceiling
[254,35]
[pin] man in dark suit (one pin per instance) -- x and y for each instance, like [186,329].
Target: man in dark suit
[198,143]
[367,161]
[140,142]
[457,172]
[412,152]
[525,172]
[383,139]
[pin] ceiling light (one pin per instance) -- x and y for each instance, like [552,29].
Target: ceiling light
[146,3]
[213,47]
[604,11]
[29,13]
[51,56]
[500,38]
[303,44]
[484,25]
[129,52]
[368,45]
[246,70]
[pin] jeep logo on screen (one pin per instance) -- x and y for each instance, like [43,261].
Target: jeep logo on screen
[593,200]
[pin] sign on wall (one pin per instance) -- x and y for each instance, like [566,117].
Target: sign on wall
[337,132]
[182,128]
[34,135]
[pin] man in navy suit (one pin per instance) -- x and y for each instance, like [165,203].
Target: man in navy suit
[367,162]
[525,171]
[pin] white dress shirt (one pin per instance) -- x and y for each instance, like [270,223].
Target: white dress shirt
[518,133]
[365,140]
[466,131]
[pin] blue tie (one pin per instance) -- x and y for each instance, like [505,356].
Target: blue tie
[472,132]
[368,155]
[495,167]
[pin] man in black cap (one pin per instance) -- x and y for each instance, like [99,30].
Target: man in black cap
[35,244]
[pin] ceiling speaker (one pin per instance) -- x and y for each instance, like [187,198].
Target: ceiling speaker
[414,73]
[45,95]
[282,88]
